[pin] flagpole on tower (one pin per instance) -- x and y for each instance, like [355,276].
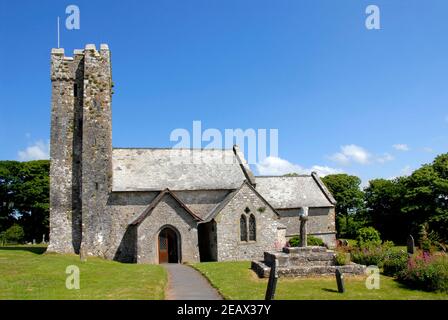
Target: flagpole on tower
[58,34]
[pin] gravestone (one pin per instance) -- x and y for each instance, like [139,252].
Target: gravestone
[34,241]
[272,283]
[411,245]
[340,281]
[43,238]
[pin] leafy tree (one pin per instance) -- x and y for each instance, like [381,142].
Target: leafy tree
[9,179]
[426,198]
[24,196]
[384,202]
[292,174]
[349,197]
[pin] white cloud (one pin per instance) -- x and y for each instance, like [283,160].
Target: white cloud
[401,147]
[39,150]
[385,158]
[277,166]
[406,171]
[323,171]
[351,153]
[355,154]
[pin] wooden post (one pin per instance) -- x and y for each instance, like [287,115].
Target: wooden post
[272,283]
[340,281]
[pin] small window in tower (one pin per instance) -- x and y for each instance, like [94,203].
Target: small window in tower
[75,90]
[96,185]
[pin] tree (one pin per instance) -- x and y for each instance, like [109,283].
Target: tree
[349,197]
[24,196]
[9,178]
[426,198]
[384,202]
[292,174]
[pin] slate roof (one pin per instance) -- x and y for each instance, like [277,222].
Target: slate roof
[178,169]
[218,208]
[294,192]
[156,201]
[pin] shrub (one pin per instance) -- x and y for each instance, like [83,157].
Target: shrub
[427,272]
[311,241]
[14,234]
[394,262]
[342,258]
[314,241]
[348,226]
[368,256]
[294,242]
[368,237]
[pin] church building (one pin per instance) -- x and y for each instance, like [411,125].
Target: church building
[160,205]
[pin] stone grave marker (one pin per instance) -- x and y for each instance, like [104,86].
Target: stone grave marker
[411,245]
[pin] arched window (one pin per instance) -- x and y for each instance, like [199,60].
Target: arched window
[243,228]
[252,228]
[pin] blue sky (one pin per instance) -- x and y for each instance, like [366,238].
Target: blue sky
[344,98]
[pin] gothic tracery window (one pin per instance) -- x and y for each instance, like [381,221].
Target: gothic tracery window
[252,228]
[243,228]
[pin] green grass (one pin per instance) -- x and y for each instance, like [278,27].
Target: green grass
[236,281]
[26,273]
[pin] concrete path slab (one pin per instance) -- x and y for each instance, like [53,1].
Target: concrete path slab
[185,283]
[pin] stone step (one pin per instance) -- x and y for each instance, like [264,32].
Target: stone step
[306,258]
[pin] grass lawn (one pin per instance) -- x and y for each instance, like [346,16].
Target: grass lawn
[236,281]
[27,273]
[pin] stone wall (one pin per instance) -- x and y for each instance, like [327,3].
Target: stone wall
[96,150]
[124,207]
[66,107]
[230,246]
[167,213]
[320,224]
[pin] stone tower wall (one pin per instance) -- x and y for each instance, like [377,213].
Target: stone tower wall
[96,150]
[65,209]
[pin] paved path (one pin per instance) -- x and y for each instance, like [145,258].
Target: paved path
[185,283]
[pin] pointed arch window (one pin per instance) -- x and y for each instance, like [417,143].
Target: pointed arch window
[252,228]
[243,228]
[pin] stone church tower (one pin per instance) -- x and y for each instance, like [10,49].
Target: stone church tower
[81,150]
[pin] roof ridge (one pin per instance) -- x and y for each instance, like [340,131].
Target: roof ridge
[167,148]
[243,165]
[323,188]
[156,201]
[214,212]
[297,176]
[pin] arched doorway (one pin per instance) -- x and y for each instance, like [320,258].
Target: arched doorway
[168,242]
